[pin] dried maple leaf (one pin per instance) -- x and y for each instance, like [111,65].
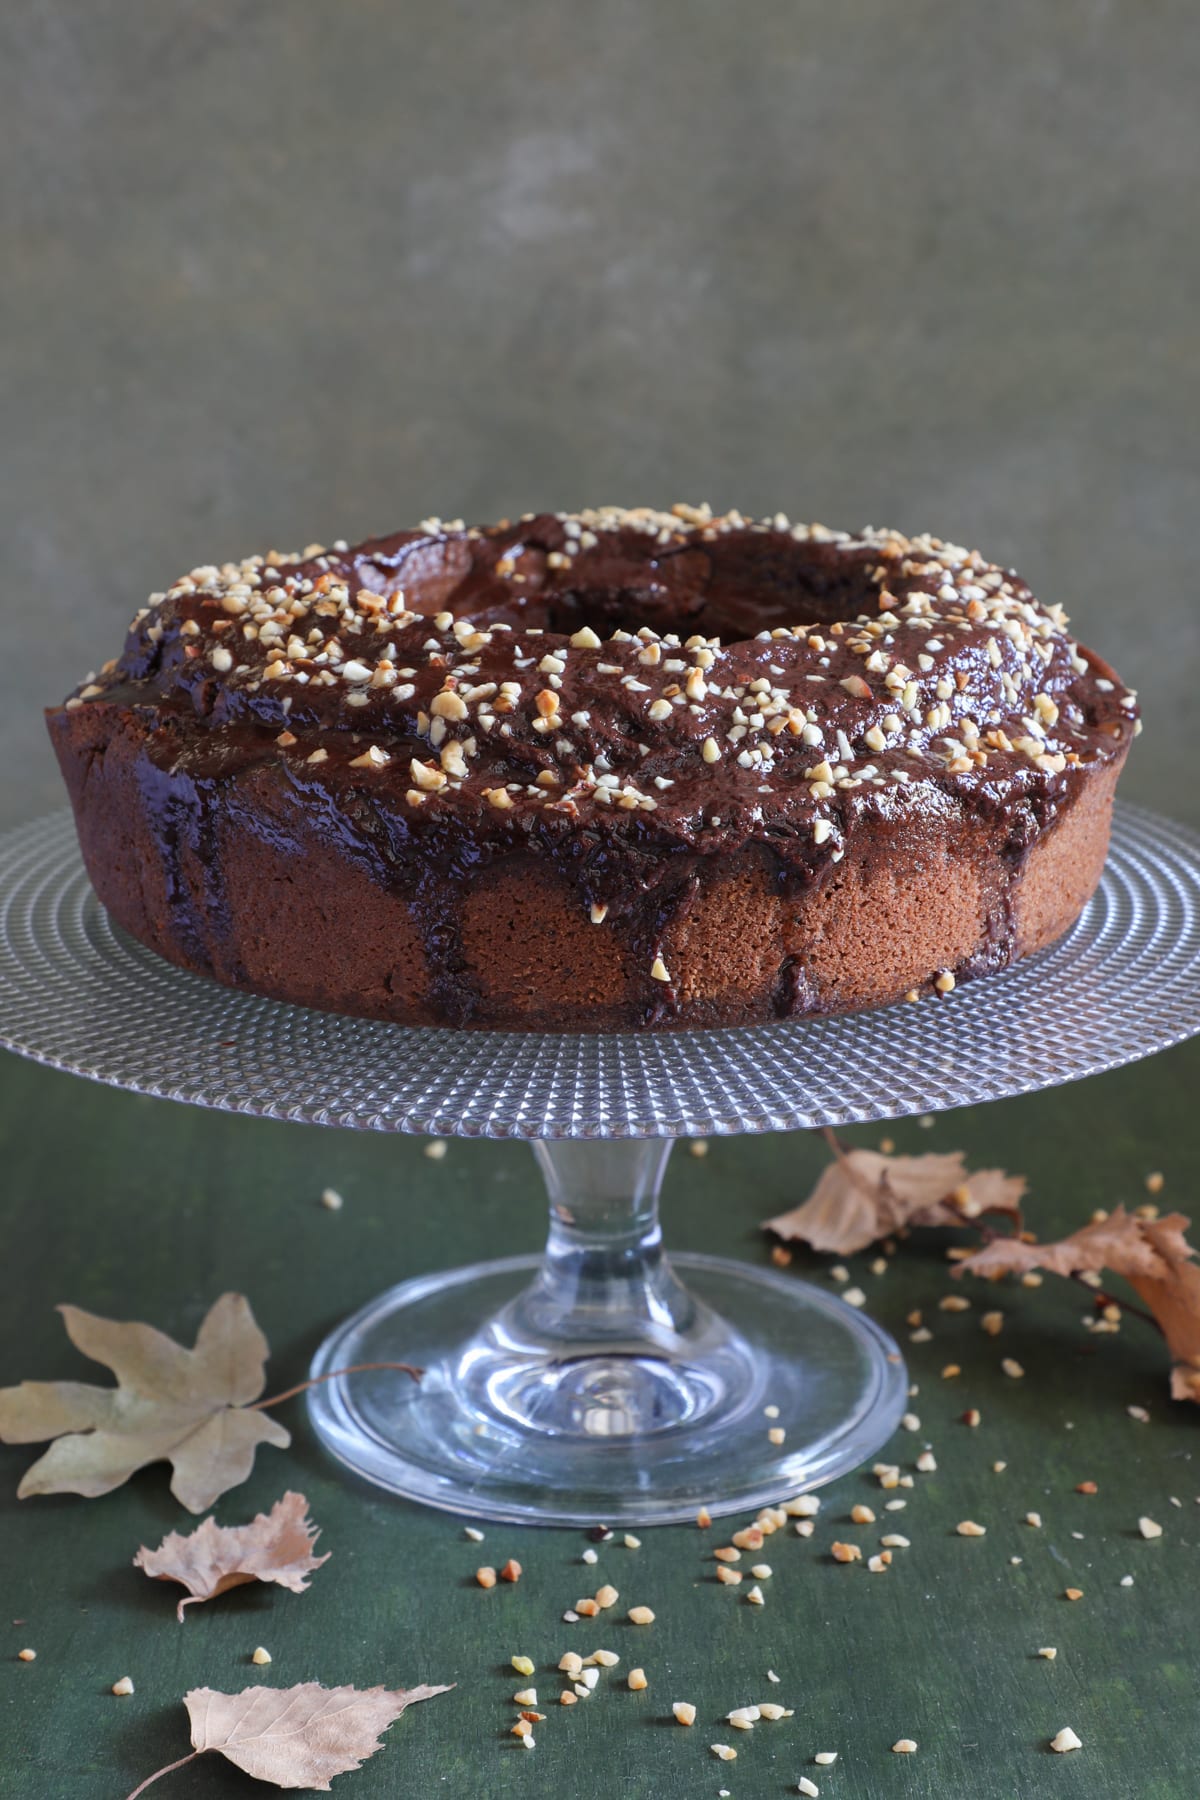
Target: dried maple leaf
[863,1195]
[275,1546]
[296,1737]
[190,1408]
[1152,1255]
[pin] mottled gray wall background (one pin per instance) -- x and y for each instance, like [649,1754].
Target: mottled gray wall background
[275,272]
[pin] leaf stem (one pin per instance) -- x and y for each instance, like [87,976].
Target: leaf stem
[158,1773]
[303,1386]
[1102,1299]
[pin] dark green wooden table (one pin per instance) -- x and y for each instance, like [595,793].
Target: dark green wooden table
[143,1209]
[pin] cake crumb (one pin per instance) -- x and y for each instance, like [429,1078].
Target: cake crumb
[122,1687]
[1066,1740]
[331,1200]
[261,1657]
[904,1747]
[435,1149]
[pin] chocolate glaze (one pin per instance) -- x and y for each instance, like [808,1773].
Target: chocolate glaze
[985,658]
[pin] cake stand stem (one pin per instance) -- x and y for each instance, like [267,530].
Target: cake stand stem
[606,1341]
[605,1279]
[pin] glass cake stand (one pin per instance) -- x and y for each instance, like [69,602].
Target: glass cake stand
[602,1382]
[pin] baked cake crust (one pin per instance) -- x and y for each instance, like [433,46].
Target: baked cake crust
[605,771]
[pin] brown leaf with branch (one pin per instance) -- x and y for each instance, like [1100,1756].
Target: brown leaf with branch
[1152,1255]
[191,1408]
[295,1737]
[276,1546]
[197,1409]
[864,1195]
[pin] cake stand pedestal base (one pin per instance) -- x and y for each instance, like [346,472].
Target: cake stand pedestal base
[595,1385]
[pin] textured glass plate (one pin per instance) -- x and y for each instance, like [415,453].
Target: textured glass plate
[77,993]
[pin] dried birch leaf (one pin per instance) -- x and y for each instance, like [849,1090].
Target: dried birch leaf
[295,1737]
[1152,1255]
[275,1546]
[190,1408]
[863,1195]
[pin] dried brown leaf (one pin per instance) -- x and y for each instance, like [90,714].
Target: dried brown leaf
[190,1408]
[863,1195]
[275,1546]
[1152,1255]
[295,1737]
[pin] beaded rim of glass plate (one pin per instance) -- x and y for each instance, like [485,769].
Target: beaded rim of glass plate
[80,995]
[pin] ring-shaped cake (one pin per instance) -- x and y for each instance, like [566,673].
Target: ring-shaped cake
[599,771]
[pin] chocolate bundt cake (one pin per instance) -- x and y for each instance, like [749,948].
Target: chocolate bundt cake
[598,771]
